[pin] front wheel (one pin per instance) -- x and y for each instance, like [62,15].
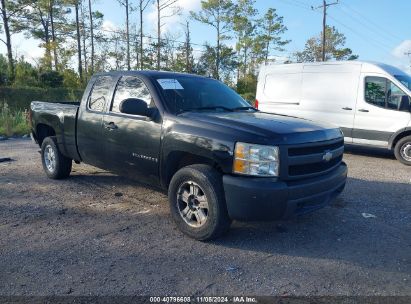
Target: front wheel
[55,164]
[403,150]
[197,202]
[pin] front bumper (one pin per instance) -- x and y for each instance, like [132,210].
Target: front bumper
[249,198]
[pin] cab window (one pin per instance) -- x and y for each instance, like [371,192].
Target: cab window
[130,87]
[100,93]
[383,93]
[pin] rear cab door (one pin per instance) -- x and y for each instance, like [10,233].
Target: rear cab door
[132,142]
[90,137]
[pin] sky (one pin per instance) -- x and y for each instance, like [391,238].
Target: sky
[376,30]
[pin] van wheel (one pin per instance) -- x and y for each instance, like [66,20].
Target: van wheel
[403,150]
[197,202]
[55,164]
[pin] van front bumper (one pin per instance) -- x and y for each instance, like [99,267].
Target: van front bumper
[250,198]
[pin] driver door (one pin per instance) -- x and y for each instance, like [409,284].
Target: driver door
[380,111]
[132,142]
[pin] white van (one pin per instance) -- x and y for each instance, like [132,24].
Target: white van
[370,102]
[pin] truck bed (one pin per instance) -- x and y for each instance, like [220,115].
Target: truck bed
[62,118]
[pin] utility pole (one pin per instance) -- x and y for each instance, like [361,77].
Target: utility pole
[324,7]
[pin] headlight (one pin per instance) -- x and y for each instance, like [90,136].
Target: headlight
[256,160]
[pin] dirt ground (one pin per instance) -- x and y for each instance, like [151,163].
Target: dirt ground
[100,234]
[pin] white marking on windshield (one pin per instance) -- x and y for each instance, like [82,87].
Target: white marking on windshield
[170,84]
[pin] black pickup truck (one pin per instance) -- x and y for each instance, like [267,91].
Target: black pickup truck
[218,158]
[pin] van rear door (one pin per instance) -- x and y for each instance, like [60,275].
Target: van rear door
[379,112]
[279,89]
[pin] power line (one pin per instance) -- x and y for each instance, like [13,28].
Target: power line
[367,25]
[370,39]
[375,42]
[296,3]
[374,24]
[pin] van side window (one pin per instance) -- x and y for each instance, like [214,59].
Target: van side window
[383,93]
[100,93]
[130,87]
[395,96]
[375,91]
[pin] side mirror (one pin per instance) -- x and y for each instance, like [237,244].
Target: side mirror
[405,104]
[135,106]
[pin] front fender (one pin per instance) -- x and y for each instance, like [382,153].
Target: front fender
[207,144]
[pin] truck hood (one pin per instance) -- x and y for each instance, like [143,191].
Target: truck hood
[273,126]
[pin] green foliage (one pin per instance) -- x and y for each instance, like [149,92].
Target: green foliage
[218,14]
[334,48]
[43,17]
[51,79]
[272,28]
[206,63]
[13,123]
[247,87]
[248,83]
[18,99]
[71,80]
[245,27]
[26,74]
[3,70]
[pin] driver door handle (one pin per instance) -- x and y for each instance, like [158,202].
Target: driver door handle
[110,126]
[347,109]
[363,110]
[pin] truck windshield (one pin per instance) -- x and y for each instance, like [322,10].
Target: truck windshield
[200,94]
[405,80]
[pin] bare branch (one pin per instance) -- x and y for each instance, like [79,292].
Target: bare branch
[144,6]
[167,4]
[121,2]
[168,16]
[19,10]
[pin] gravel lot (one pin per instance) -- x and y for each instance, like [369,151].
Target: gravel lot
[77,237]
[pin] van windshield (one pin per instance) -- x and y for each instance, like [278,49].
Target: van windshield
[405,80]
[184,93]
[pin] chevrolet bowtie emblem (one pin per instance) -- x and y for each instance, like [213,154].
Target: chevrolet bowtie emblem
[327,156]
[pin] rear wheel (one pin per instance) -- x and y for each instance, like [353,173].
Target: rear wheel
[197,203]
[403,150]
[55,164]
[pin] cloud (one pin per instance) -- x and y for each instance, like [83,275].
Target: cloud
[402,49]
[171,22]
[400,56]
[109,26]
[190,5]
[27,47]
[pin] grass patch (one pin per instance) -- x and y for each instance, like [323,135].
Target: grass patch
[13,123]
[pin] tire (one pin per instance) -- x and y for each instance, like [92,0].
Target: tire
[402,150]
[55,164]
[341,189]
[190,190]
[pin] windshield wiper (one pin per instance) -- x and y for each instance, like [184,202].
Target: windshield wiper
[208,108]
[244,108]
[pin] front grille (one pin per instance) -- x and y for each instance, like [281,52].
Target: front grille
[309,160]
[313,168]
[314,149]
